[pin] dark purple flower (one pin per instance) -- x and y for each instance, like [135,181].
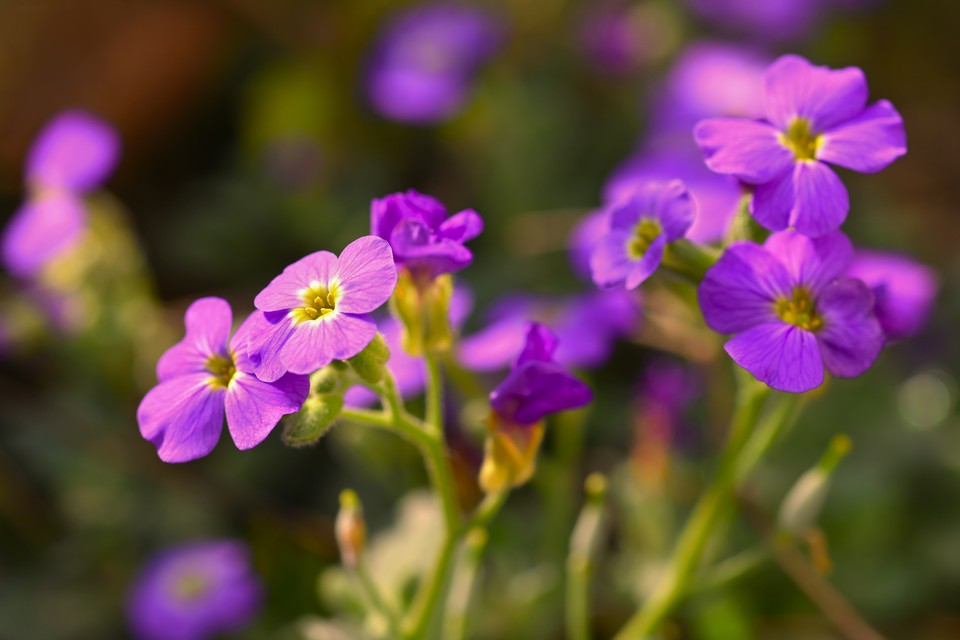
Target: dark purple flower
[766,19]
[537,385]
[814,115]
[641,227]
[424,62]
[317,310]
[614,38]
[207,375]
[423,238]
[717,196]
[73,155]
[904,290]
[587,326]
[194,592]
[792,309]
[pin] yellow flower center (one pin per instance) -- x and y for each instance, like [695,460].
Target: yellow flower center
[799,310]
[318,302]
[800,139]
[222,371]
[190,586]
[646,231]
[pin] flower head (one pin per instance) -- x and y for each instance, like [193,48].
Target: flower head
[73,155]
[425,60]
[904,290]
[537,385]
[317,310]
[792,309]
[640,227]
[423,238]
[194,592]
[207,375]
[813,116]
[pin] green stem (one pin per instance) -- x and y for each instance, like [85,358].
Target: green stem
[463,584]
[689,259]
[707,513]
[728,571]
[584,544]
[378,604]
[434,393]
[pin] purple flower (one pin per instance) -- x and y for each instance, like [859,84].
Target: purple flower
[717,196]
[792,309]
[640,228]
[317,310]
[423,238]
[904,290]
[424,62]
[537,385]
[814,115]
[73,155]
[194,592]
[767,19]
[663,395]
[614,38]
[207,375]
[587,326]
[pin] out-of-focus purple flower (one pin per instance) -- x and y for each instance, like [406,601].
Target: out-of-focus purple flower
[537,385]
[423,238]
[613,39]
[766,19]
[709,80]
[207,375]
[317,310]
[904,290]
[194,592]
[408,372]
[717,196]
[584,238]
[425,60]
[664,393]
[71,156]
[640,228]
[587,326]
[814,116]
[793,310]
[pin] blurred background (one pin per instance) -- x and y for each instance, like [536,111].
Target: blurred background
[255,132]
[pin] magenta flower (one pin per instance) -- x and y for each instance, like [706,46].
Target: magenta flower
[73,155]
[207,375]
[814,116]
[792,309]
[537,385]
[904,290]
[421,235]
[640,227]
[423,65]
[194,592]
[317,310]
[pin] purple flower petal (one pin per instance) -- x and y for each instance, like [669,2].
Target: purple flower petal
[254,407]
[387,212]
[207,322]
[367,275]
[536,389]
[739,291]
[182,417]
[584,239]
[644,267]
[748,150]
[495,346]
[851,338]
[462,226]
[904,290]
[263,348]
[610,263]
[41,230]
[315,344]
[75,151]
[824,96]
[419,247]
[810,198]
[676,210]
[283,294]
[250,330]
[539,346]
[780,355]
[868,142]
[811,262]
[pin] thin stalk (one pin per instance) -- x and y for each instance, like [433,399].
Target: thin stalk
[434,393]
[584,545]
[376,600]
[463,584]
[689,259]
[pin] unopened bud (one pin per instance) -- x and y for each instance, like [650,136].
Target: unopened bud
[370,364]
[327,380]
[423,308]
[350,528]
[314,419]
[509,454]
[803,504]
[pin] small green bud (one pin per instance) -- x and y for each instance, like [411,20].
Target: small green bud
[327,380]
[803,504]
[350,528]
[370,363]
[313,421]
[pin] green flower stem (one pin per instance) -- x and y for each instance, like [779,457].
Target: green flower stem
[434,394]
[707,514]
[372,592]
[731,570]
[584,544]
[463,584]
[689,259]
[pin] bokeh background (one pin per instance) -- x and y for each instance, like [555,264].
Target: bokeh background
[248,142]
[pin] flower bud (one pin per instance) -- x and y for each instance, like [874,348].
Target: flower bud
[803,504]
[510,454]
[423,308]
[370,364]
[350,528]
[314,419]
